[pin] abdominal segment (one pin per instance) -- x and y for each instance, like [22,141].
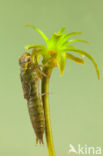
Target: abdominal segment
[30,85]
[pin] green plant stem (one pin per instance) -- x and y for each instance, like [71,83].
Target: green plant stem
[48,132]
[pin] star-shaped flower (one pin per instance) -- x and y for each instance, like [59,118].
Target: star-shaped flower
[58,48]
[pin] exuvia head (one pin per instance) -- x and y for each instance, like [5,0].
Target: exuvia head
[24,59]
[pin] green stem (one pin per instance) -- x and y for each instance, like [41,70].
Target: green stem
[48,132]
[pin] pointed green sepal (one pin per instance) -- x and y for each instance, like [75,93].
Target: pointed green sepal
[61,30]
[71,34]
[74,58]
[37,49]
[61,60]
[39,31]
[76,40]
[27,47]
[65,37]
[83,53]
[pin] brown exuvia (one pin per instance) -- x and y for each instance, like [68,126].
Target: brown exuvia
[30,85]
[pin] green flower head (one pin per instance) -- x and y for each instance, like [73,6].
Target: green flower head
[58,48]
